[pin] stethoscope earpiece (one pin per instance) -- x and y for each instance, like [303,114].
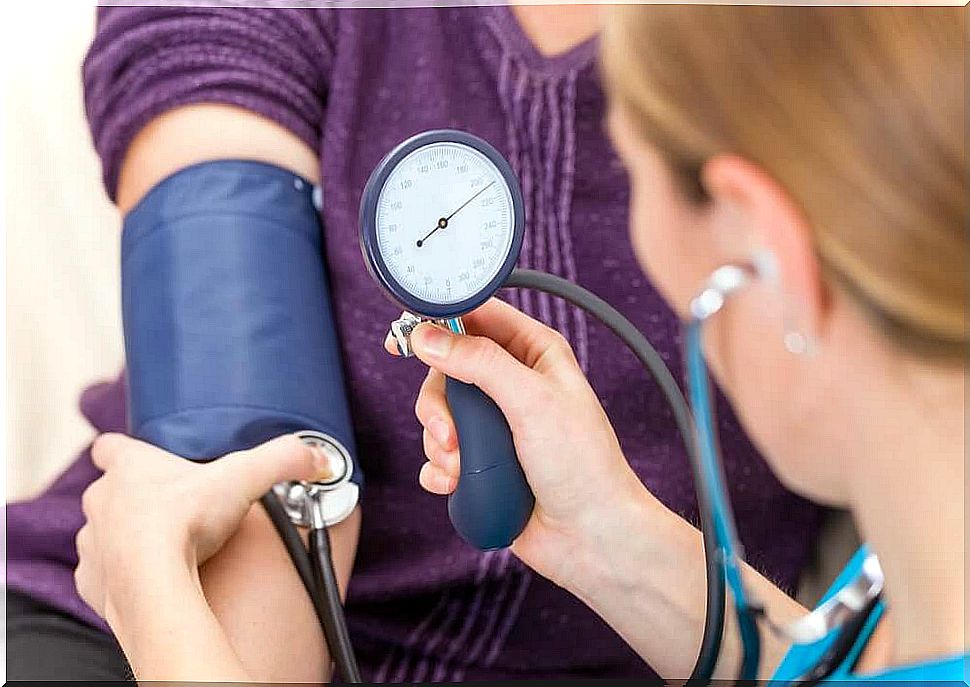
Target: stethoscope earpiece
[723,282]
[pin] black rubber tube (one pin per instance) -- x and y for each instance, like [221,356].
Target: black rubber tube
[317,574]
[334,622]
[291,540]
[320,574]
[654,364]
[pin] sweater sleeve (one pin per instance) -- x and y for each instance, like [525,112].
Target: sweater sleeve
[146,60]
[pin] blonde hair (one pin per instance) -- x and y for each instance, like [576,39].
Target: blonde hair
[857,112]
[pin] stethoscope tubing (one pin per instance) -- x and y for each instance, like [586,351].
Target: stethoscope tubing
[715,493]
[848,609]
[314,565]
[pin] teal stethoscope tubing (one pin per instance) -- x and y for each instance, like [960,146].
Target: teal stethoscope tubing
[713,486]
[839,612]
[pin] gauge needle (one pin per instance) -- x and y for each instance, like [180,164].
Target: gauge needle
[443,222]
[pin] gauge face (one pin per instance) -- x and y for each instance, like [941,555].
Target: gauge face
[445,223]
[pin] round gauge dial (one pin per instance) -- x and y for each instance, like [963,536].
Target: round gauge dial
[442,223]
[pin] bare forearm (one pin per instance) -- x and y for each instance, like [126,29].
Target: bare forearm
[651,590]
[169,633]
[258,598]
[244,616]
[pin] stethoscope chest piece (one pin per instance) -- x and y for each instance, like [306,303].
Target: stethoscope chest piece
[326,502]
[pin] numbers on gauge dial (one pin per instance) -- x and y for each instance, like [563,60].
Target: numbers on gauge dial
[444,222]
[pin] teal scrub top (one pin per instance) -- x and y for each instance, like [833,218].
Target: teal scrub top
[802,657]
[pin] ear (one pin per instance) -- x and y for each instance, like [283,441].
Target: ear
[753,212]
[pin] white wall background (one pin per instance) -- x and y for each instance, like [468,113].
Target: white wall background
[63,323]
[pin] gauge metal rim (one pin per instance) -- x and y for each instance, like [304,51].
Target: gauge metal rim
[368,224]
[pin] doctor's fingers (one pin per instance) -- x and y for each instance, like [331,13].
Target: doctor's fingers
[87,579]
[536,345]
[253,472]
[530,341]
[111,449]
[482,362]
[84,542]
[433,412]
[92,498]
[436,480]
[444,458]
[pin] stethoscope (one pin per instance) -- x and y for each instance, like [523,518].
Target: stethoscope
[442,221]
[844,609]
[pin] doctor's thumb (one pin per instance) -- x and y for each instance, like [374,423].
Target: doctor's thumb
[475,360]
[282,459]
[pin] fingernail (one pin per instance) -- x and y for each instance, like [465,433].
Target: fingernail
[439,430]
[321,464]
[391,345]
[433,340]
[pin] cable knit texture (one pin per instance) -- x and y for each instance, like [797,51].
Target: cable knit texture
[143,62]
[351,84]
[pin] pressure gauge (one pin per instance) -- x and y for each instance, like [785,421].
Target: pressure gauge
[442,223]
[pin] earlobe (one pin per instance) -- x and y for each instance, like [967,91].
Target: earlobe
[797,341]
[765,264]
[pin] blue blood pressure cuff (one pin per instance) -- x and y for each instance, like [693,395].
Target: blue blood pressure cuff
[229,332]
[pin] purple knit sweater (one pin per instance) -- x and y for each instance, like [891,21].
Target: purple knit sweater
[352,84]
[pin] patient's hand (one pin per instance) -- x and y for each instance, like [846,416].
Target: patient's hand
[152,510]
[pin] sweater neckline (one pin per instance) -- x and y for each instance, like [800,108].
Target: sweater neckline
[514,35]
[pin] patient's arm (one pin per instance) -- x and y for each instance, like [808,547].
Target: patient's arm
[261,603]
[251,585]
[197,133]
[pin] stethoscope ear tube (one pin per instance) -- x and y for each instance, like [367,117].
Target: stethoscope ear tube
[710,477]
[852,604]
[712,484]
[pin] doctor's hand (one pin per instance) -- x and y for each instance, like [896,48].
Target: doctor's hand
[564,440]
[153,515]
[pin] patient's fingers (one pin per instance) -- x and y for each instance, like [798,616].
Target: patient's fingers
[436,480]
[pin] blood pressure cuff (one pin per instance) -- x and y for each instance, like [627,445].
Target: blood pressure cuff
[229,331]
